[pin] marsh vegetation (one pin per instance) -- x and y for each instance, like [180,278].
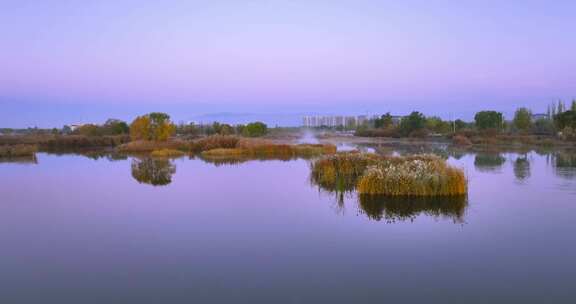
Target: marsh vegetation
[21,150]
[416,175]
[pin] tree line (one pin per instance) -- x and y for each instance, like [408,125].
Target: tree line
[559,120]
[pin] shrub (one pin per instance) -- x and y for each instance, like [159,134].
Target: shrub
[460,140]
[385,132]
[255,129]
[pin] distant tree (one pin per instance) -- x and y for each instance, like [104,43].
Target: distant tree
[385,121]
[88,130]
[216,127]
[187,129]
[459,124]
[240,129]
[565,119]
[226,129]
[489,120]
[6,131]
[437,125]
[561,107]
[543,126]
[522,119]
[573,107]
[413,122]
[154,126]
[140,128]
[66,129]
[116,127]
[255,129]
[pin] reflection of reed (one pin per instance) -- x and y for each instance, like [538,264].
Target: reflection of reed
[240,159]
[20,160]
[156,172]
[394,209]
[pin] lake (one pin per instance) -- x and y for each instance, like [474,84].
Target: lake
[104,228]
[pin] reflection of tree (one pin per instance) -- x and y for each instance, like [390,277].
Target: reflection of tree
[564,164]
[156,172]
[489,162]
[522,167]
[394,209]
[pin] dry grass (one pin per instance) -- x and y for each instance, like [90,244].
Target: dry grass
[81,141]
[223,152]
[460,140]
[340,172]
[140,146]
[264,149]
[167,153]
[413,176]
[214,142]
[12,151]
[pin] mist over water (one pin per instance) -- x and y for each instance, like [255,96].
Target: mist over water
[308,137]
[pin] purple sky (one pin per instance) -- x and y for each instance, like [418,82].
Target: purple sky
[64,61]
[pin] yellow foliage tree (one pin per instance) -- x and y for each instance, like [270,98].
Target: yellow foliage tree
[153,126]
[140,128]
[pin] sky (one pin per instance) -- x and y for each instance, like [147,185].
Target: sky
[84,61]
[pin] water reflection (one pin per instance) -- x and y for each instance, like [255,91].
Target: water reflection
[393,209]
[522,168]
[20,160]
[156,172]
[98,154]
[564,164]
[489,162]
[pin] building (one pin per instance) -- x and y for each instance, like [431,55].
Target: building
[539,116]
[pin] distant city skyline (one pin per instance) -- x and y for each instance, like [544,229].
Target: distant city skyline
[84,61]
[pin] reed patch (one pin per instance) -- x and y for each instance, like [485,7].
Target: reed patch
[12,151]
[417,175]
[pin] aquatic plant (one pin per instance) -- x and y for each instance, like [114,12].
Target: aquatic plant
[214,142]
[141,146]
[167,153]
[416,175]
[340,172]
[263,149]
[413,176]
[10,151]
[81,141]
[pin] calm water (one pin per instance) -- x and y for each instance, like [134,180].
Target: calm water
[76,229]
